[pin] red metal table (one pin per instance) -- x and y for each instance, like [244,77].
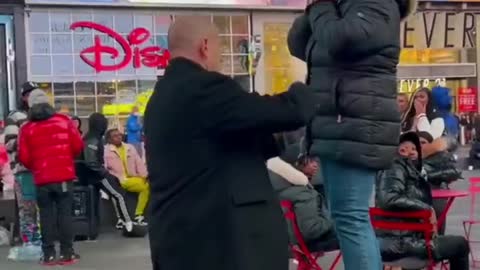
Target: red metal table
[450,195]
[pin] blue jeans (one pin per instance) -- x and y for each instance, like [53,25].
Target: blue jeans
[348,191]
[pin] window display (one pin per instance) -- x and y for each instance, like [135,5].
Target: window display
[279,71]
[105,61]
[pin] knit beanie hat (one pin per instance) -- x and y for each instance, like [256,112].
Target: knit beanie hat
[37,96]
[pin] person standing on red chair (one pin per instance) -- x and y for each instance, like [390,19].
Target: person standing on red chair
[48,145]
[351,49]
[404,188]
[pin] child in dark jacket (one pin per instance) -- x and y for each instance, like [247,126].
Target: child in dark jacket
[404,187]
[309,206]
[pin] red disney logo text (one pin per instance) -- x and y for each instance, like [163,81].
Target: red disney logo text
[153,56]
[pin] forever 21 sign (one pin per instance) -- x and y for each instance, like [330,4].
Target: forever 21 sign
[130,53]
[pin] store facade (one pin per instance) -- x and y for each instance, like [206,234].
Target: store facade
[67,55]
[13,67]
[62,50]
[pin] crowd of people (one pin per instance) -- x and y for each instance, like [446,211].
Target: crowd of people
[214,152]
[44,155]
[215,148]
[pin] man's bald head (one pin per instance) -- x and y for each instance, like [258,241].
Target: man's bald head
[195,38]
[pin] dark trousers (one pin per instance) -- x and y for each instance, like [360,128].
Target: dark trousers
[455,249]
[439,206]
[111,186]
[55,205]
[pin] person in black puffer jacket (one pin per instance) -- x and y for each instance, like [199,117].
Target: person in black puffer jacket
[404,187]
[91,170]
[440,166]
[351,48]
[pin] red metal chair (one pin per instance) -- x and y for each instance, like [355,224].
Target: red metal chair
[423,225]
[474,189]
[307,260]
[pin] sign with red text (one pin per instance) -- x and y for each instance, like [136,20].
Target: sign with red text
[131,51]
[467,99]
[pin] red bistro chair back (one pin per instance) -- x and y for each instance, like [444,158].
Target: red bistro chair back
[474,189]
[473,219]
[423,225]
[307,260]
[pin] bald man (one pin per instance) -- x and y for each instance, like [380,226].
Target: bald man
[207,141]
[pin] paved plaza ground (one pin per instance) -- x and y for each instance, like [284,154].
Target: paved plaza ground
[113,252]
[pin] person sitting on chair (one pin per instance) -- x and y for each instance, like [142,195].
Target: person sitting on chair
[440,167]
[309,206]
[123,161]
[403,188]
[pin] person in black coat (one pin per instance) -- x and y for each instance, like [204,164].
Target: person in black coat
[213,206]
[91,170]
[351,48]
[440,167]
[404,187]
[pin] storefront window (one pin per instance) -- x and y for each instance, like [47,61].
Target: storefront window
[279,71]
[54,57]
[435,56]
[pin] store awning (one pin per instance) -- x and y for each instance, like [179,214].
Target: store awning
[433,71]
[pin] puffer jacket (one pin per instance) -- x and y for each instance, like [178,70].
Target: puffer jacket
[441,169]
[309,206]
[402,188]
[15,120]
[90,165]
[351,48]
[48,145]
[439,163]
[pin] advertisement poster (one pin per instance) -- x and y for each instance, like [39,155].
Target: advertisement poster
[467,99]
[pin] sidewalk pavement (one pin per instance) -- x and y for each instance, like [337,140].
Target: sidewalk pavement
[113,252]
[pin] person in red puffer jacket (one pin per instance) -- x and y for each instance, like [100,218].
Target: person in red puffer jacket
[48,146]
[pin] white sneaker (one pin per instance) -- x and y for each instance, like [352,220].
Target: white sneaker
[128,226]
[120,224]
[140,220]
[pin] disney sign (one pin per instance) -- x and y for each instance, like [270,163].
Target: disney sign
[152,56]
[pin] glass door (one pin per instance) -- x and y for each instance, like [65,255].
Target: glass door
[3,73]
[277,69]
[7,60]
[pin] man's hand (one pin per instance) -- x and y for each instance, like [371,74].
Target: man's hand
[420,108]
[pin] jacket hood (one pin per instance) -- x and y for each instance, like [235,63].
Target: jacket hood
[287,172]
[40,112]
[442,98]
[438,145]
[407,8]
[97,125]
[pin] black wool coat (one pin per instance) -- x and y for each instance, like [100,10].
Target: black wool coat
[213,206]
